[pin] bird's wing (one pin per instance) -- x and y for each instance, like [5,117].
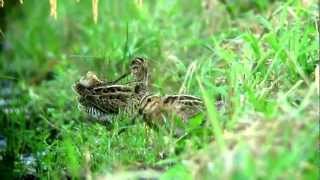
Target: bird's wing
[184,105]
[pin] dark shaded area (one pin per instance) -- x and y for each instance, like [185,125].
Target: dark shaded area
[10,6]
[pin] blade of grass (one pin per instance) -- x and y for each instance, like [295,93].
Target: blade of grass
[187,77]
[212,115]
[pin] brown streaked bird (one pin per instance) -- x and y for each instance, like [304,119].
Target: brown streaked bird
[99,99]
[155,109]
[152,110]
[140,72]
[85,83]
[185,106]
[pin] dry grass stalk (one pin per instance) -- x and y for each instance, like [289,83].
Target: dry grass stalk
[1,3]
[95,10]
[188,76]
[88,173]
[53,8]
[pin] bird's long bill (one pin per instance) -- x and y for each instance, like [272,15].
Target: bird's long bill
[120,78]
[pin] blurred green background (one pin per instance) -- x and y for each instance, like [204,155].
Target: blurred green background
[258,57]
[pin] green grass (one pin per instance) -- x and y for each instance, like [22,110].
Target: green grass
[258,57]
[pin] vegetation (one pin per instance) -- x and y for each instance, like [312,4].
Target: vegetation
[258,58]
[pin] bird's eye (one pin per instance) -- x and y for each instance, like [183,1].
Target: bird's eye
[149,100]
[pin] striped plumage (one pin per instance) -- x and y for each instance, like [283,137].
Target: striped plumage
[185,106]
[92,110]
[155,108]
[140,72]
[99,99]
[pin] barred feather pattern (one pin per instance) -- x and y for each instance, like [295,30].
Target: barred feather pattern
[92,111]
[154,107]
[185,106]
[140,72]
[100,100]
